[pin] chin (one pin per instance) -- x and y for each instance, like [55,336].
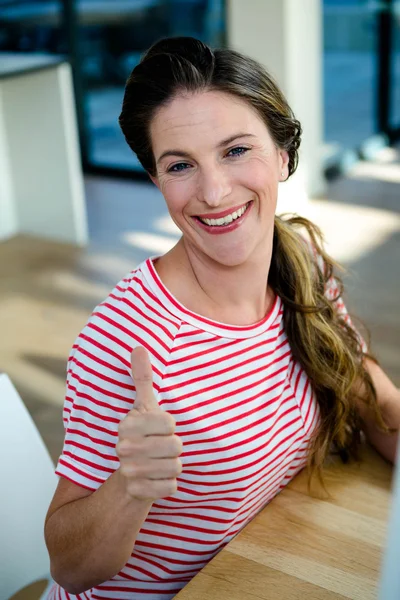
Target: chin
[230,258]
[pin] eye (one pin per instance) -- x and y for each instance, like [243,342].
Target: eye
[179,167]
[238,151]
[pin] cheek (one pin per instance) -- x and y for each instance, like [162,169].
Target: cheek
[260,176]
[177,195]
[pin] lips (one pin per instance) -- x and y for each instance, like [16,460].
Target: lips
[222,214]
[215,228]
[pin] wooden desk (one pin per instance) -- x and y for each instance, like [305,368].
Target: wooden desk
[301,547]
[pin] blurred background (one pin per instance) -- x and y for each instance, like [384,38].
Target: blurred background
[105,39]
[77,212]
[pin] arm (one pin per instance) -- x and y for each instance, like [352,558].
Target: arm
[388,396]
[90,535]
[389,402]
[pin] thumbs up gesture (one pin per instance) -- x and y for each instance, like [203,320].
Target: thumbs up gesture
[147,448]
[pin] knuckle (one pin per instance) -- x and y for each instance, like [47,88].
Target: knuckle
[135,489]
[127,447]
[169,420]
[161,488]
[165,421]
[172,487]
[152,419]
[173,468]
[121,448]
[179,466]
[122,427]
[127,424]
[151,488]
[129,469]
[146,489]
[178,445]
[160,423]
[144,377]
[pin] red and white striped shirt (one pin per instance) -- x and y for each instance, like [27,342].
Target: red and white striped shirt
[244,409]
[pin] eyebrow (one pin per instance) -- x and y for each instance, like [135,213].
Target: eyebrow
[221,144]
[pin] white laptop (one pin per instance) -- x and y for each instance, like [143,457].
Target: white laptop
[389,588]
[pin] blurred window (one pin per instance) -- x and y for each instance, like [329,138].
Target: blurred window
[395,74]
[111,38]
[107,37]
[104,40]
[350,72]
[29,26]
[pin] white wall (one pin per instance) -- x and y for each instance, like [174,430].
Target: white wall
[44,155]
[41,180]
[285,36]
[8,215]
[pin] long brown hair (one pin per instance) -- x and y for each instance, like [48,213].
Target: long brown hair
[325,345]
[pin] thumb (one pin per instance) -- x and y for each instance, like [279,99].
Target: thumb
[143,379]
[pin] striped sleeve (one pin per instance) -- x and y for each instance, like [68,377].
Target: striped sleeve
[99,388]
[99,393]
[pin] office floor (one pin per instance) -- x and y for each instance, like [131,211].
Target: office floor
[48,290]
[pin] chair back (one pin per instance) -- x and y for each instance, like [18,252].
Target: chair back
[28,482]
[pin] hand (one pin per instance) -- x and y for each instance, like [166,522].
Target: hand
[147,448]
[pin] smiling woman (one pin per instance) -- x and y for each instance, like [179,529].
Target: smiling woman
[213,374]
[224,175]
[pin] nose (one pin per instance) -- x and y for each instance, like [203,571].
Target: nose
[214,185]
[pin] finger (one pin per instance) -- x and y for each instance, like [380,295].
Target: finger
[168,446]
[143,379]
[152,489]
[164,468]
[154,446]
[136,425]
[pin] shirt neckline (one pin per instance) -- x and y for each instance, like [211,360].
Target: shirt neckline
[198,321]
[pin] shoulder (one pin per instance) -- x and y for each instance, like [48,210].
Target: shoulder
[129,316]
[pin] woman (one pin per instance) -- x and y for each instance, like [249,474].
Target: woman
[245,364]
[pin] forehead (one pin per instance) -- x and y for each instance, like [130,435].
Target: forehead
[211,115]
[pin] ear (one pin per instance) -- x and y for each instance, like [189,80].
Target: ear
[283,165]
[155,180]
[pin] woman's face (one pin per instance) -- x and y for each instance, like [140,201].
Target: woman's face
[218,170]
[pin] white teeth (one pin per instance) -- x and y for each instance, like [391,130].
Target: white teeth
[226,220]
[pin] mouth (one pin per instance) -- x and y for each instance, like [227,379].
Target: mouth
[224,221]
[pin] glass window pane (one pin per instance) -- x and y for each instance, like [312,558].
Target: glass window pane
[350,63]
[112,37]
[27,26]
[395,74]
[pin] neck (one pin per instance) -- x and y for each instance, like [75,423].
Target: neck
[238,295]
